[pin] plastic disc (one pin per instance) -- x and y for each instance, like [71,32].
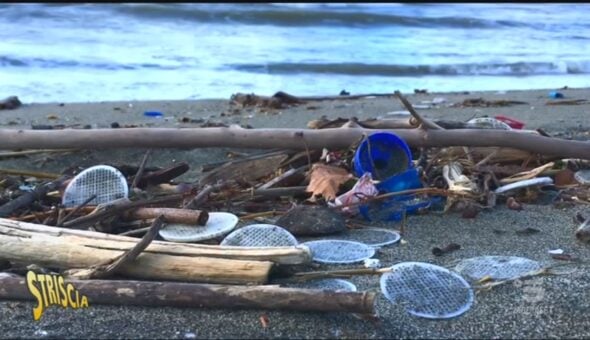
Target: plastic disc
[106,182]
[426,290]
[339,251]
[260,235]
[496,267]
[218,224]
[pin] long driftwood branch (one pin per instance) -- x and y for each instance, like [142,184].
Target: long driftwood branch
[102,241]
[145,293]
[299,139]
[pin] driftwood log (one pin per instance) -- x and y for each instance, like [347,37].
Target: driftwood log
[144,293]
[172,215]
[56,252]
[279,255]
[300,139]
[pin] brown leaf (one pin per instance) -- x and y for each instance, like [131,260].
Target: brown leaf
[325,180]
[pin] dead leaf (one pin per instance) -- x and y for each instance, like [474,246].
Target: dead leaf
[52,117]
[325,180]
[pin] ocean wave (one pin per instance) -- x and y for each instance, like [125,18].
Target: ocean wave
[300,16]
[360,69]
[7,61]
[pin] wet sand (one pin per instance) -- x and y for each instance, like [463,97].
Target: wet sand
[560,308]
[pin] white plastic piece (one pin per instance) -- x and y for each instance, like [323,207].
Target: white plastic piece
[582,176]
[372,263]
[328,284]
[556,251]
[260,235]
[106,182]
[427,290]
[339,251]
[218,224]
[525,183]
[496,267]
[488,123]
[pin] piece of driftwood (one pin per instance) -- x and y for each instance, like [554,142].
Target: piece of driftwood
[583,231]
[59,252]
[113,266]
[141,169]
[162,176]
[175,294]
[172,215]
[279,255]
[299,139]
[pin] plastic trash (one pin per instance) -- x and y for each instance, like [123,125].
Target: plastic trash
[106,182]
[153,114]
[555,95]
[513,123]
[218,224]
[407,180]
[393,208]
[390,155]
[487,123]
[525,183]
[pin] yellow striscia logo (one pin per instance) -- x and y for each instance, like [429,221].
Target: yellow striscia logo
[51,290]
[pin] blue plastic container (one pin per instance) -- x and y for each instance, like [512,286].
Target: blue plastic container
[153,114]
[389,153]
[409,179]
[393,209]
[555,95]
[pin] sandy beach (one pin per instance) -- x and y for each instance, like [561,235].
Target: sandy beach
[503,312]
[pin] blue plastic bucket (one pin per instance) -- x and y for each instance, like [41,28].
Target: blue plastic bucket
[407,180]
[389,153]
[393,209]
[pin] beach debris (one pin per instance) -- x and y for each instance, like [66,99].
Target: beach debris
[539,181]
[339,251]
[568,102]
[374,237]
[487,123]
[583,231]
[372,263]
[338,285]
[555,95]
[260,235]
[153,114]
[10,103]
[565,177]
[247,170]
[496,267]
[218,224]
[513,204]
[527,231]
[513,123]
[104,181]
[451,247]
[480,102]
[558,251]
[426,290]
[363,188]
[452,173]
[264,321]
[383,155]
[310,220]
[582,176]
[325,180]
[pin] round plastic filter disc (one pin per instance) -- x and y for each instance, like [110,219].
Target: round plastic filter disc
[106,182]
[218,224]
[426,290]
[328,284]
[374,237]
[260,235]
[339,251]
[496,267]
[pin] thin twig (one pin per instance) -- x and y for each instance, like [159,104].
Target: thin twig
[61,221]
[141,169]
[426,123]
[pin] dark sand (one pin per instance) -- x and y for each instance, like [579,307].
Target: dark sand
[561,311]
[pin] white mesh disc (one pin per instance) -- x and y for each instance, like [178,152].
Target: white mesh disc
[339,251]
[328,284]
[582,176]
[218,224]
[497,267]
[426,290]
[260,235]
[374,237]
[106,182]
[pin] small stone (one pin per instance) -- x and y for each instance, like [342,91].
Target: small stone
[190,335]
[312,220]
